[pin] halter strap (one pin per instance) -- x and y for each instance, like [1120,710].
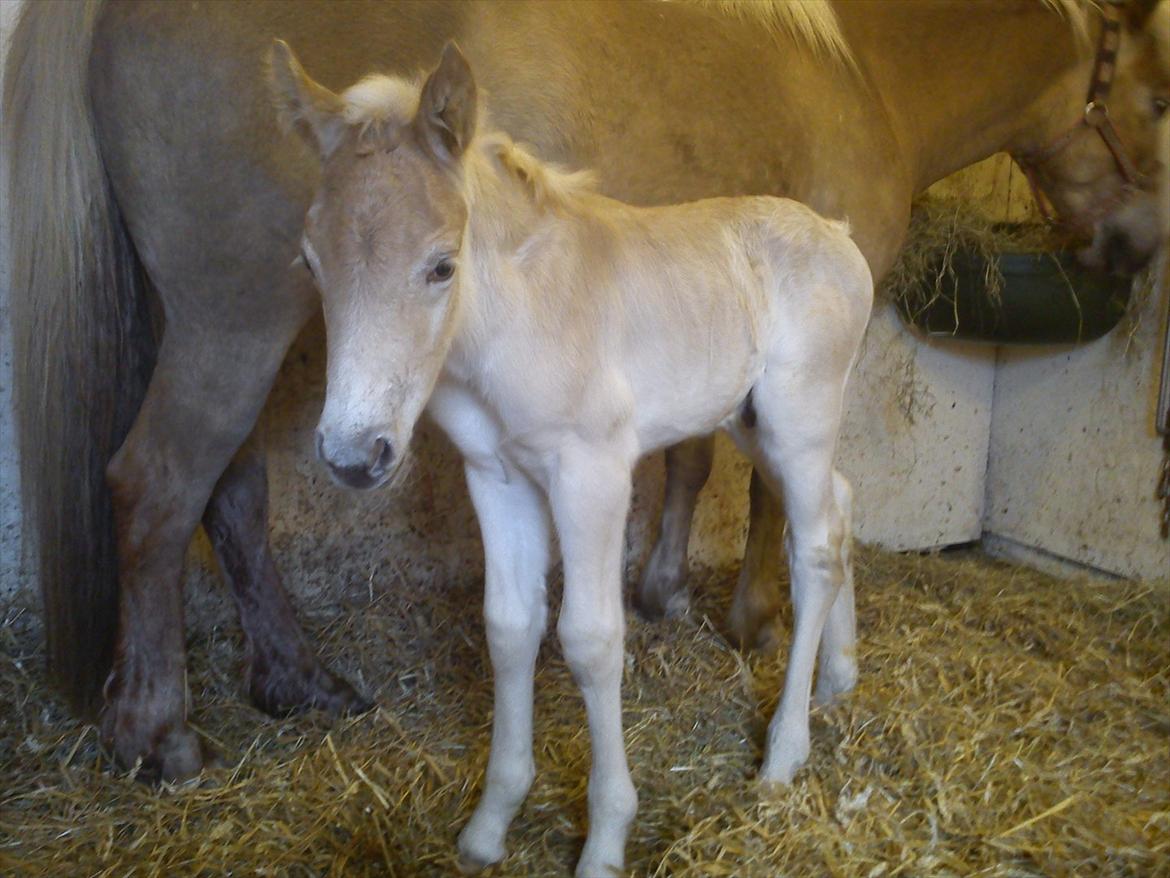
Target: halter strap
[1095,117]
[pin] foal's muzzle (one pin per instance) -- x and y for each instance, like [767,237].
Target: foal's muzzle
[366,472]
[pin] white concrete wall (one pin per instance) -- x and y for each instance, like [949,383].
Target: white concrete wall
[1075,456]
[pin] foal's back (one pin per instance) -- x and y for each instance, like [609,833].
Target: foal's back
[690,302]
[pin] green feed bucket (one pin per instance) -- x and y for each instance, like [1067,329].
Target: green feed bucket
[1037,298]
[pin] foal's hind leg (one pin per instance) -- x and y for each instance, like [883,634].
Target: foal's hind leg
[206,392]
[793,445]
[755,608]
[662,592]
[284,674]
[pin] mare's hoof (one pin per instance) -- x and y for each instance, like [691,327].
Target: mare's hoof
[662,594]
[755,632]
[289,690]
[171,754]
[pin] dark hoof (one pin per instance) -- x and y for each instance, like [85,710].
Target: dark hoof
[755,630]
[282,693]
[167,753]
[662,594]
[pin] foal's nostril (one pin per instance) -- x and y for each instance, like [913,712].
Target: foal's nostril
[320,446]
[382,456]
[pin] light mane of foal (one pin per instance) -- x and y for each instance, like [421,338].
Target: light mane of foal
[556,336]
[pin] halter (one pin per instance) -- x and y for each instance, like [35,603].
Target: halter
[1095,117]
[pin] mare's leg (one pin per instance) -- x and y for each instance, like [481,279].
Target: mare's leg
[793,443]
[513,519]
[837,669]
[590,497]
[756,605]
[212,376]
[662,593]
[284,674]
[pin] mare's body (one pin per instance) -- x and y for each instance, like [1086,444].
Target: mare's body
[183,175]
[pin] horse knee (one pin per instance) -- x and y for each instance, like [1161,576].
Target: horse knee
[149,512]
[513,634]
[592,649]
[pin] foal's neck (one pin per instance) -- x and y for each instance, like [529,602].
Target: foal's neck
[962,81]
[503,220]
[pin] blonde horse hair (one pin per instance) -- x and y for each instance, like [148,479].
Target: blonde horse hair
[813,23]
[548,185]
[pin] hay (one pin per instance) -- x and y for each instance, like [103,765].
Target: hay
[1006,723]
[939,229]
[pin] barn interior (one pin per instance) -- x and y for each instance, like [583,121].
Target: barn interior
[1013,712]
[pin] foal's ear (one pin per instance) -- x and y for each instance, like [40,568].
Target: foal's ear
[447,107]
[307,106]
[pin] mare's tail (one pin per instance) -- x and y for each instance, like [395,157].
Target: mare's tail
[82,341]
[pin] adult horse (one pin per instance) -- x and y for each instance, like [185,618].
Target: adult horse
[145,170]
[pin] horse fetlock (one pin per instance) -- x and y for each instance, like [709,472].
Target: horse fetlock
[509,784]
[481,843]
[837,676]
[613,804]
[787,751]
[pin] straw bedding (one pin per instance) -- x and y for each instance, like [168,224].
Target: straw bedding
[1006,724]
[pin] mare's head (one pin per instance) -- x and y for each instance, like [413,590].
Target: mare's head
[382,238]
[1098,153]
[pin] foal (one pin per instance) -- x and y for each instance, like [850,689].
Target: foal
[557,336]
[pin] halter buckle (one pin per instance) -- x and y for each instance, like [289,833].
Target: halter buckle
[1096,114]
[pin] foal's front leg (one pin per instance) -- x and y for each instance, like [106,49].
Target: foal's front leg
[513,519]
[590,495]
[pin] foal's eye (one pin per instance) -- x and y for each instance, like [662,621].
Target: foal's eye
[442,272]
[1160,107]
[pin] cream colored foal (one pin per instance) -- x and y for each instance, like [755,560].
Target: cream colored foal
[557,336]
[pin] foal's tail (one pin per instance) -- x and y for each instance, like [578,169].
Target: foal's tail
[82,342]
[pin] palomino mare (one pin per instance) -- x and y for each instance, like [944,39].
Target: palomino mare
[556,336]
[144,158]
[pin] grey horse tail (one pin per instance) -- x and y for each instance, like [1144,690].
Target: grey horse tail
[82,339]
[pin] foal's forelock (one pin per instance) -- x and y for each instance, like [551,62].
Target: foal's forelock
[389,101]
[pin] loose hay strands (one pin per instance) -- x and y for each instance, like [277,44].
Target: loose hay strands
[1006,723]
[941,228]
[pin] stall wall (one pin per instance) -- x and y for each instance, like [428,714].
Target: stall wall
[1075,456]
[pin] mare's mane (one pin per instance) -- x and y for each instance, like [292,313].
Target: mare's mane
[814,25]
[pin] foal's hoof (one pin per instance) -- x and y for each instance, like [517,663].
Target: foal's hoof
[476,853]
[283,691]
[784,756]
[471,865]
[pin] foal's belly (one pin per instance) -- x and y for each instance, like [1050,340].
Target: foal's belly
[692,402]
